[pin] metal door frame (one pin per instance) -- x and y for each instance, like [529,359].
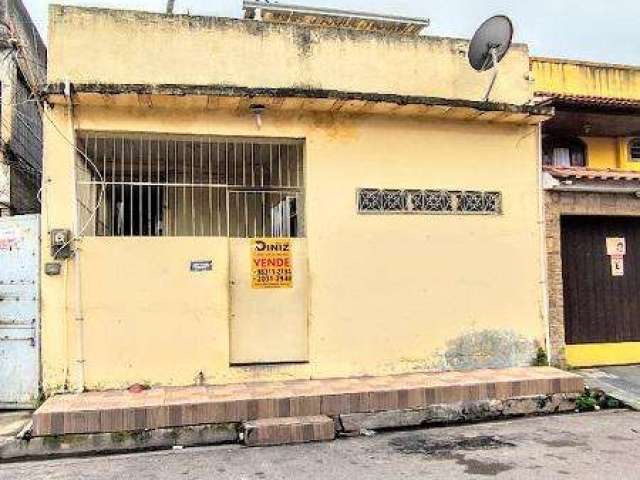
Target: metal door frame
[298,192]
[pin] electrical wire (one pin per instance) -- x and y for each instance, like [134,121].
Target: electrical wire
[100,177]
[25,121]
[35,97]
[6,55]
[32,59]
[93,165]
[17,160]
[20,158]
[20,50]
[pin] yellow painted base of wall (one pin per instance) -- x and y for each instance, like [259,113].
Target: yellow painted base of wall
[599,354]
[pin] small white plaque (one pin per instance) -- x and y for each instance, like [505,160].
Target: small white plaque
[616,246]
[617,266]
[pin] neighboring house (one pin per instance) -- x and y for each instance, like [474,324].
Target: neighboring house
[260,201]
[23,59]
[591,151]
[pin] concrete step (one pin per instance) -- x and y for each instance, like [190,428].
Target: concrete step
[170,407]
[285,430]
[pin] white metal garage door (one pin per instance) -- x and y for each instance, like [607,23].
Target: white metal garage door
[19,311]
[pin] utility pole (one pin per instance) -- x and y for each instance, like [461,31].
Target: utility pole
[170,6]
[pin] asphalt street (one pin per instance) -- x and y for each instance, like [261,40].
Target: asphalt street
[598,445]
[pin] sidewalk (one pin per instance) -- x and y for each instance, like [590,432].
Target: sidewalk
[118,411]
[163,417]
[13,422]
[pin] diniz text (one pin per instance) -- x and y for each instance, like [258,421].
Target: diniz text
[264,247]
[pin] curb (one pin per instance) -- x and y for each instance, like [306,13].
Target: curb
[26,448]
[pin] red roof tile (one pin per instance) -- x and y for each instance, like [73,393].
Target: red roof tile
[590,100]
[581,173]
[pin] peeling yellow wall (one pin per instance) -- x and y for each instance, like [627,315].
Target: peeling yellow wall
[388,293]
[585,78]
[137,47]
[602,152]
[609,153]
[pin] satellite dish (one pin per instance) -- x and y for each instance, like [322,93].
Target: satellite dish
[489,45]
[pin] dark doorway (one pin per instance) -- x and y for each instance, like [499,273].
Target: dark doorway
[598,306]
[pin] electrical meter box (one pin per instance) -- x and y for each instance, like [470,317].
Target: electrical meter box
[60,244]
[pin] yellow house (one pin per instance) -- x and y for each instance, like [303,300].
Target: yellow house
[591,154]
[238,199]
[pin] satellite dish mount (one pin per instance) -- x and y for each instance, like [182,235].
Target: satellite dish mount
[489,45]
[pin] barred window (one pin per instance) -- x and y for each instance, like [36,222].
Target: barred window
[372,200]
[157,185]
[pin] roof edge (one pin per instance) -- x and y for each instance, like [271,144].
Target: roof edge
[56,9]
[53,89]
[603,104]
[585,63]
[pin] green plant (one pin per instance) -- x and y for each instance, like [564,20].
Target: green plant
[604,401]
[586,402]
[541,359]
[38,400]
[596,399]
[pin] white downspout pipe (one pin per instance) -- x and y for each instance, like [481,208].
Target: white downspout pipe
[544,283]
[77,301]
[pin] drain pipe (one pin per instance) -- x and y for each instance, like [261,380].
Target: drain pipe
[542,230]
[77,302]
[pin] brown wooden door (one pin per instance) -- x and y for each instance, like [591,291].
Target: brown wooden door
[600,307]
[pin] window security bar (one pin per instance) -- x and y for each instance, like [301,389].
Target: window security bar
[191,186]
